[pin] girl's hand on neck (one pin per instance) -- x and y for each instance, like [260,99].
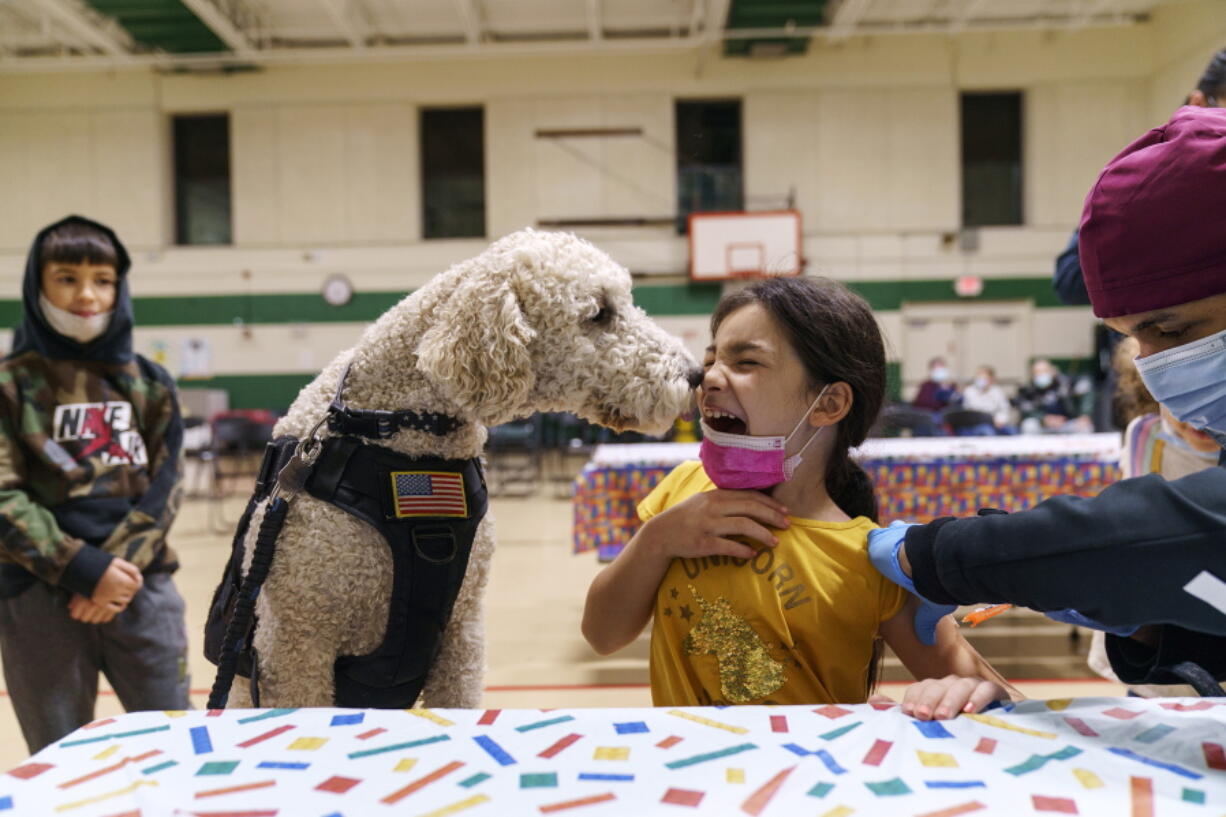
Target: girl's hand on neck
[711,523]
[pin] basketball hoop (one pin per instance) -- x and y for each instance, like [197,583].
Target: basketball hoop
[739,245]
[744,259]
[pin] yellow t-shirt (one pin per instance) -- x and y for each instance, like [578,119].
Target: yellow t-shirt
[793,625]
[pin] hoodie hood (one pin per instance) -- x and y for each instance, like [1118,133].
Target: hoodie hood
[35,333]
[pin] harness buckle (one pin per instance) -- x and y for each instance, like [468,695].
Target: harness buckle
[292,477]
[435,544]
[385,423]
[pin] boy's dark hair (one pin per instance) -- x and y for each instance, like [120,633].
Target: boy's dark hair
[836,337]
[77,243]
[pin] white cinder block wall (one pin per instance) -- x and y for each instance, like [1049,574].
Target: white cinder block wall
[864,134]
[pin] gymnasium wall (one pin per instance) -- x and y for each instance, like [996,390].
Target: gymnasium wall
[863,133]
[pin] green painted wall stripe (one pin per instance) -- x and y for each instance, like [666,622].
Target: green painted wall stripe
[893,294]
[700,299]
[204,310]
[1076,366]
[893,380]
[658,299]
[677,299]
[263,391]
[277,391]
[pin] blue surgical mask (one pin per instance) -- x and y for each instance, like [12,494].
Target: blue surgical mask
[1190,380]
[1043,380]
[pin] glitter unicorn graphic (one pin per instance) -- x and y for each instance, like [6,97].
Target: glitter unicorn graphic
[746,670]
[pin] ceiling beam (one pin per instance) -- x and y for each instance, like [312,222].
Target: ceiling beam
[846,18]
[966,17]
[716,17]
[1090,9]
[394,53]
[101,33]
[696,16]
[594,29]
[340,18]
[221,25]
[470,18]
[9,13]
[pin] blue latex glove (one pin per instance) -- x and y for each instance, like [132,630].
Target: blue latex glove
[1074,617]
[883,546]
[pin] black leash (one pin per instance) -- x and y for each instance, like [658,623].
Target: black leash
[290,481]
[244,608]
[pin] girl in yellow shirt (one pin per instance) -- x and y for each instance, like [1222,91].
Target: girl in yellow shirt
[754,562]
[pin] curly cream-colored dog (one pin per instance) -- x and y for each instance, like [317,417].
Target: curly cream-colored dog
[538,322]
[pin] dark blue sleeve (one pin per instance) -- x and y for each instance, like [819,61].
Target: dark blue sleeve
[1125,557]
[1068,282]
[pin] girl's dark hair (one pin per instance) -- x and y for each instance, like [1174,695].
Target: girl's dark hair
[836,337]
[1213,81]
[77,243]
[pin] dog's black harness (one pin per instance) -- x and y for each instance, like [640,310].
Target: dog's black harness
[427,509]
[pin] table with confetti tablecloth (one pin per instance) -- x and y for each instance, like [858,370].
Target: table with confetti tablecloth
[1091,756]
[917,479]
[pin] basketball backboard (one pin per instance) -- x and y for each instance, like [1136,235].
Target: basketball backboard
[744,245]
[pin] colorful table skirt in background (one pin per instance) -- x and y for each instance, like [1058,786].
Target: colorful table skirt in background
[917,479]
[1105,756]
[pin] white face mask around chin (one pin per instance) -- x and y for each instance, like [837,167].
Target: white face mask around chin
[82,330]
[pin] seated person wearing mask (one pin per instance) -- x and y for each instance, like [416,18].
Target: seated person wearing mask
[939,391]
[1052,403]
[985,394]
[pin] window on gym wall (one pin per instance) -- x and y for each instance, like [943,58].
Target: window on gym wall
[202,179]
[708,157]
[991,159]
[453,172]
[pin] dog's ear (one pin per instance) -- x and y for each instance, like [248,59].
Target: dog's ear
[477,349]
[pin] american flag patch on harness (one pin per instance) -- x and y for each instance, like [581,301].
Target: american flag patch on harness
[428,493]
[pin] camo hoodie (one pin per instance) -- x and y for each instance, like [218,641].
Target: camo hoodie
[90,448]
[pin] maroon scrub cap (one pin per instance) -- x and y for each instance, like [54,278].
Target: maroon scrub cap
[1152,230]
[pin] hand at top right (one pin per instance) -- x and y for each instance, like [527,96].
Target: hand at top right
[705,524]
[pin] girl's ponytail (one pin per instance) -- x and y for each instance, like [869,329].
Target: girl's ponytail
[850,486]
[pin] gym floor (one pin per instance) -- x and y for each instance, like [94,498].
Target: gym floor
[537,656]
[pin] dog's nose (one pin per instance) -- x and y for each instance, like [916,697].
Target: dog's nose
[695,377]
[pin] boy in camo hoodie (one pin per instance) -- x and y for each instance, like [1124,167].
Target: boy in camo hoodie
[90,462]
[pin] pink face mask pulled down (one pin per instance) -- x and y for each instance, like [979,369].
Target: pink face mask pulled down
[743,462]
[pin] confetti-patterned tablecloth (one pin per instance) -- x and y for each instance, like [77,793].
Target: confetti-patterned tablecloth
[1093,756]
[916,480]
